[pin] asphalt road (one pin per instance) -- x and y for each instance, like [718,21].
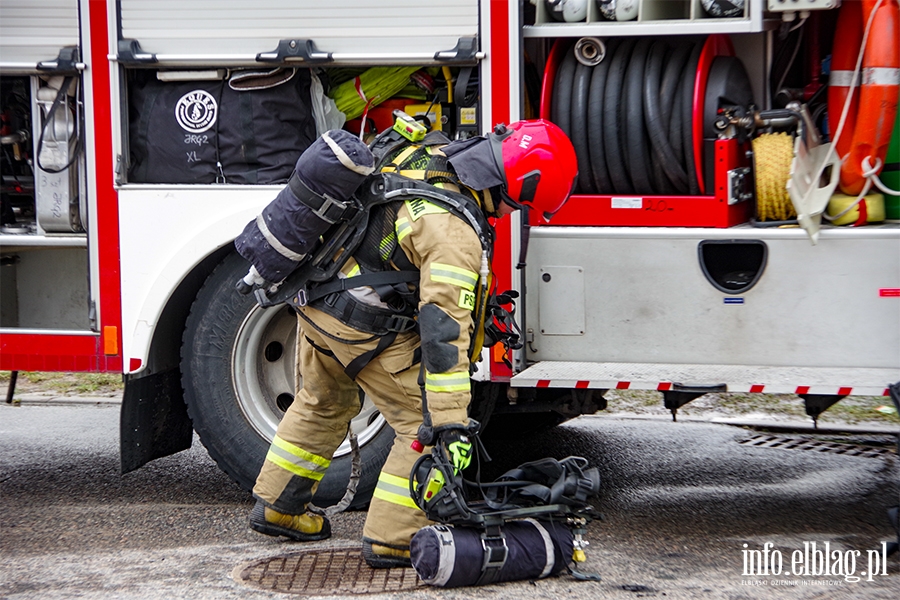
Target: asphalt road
[681,500]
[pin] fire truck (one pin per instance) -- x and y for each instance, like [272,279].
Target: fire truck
[703,249]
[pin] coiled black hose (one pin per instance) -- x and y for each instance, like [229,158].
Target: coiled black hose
[599,171]
[656,126]
[638,155]
[613,130]
[630,116]
[581,83]
[561,110]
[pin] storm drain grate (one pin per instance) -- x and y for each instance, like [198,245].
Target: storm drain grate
[774,441]
[335,571]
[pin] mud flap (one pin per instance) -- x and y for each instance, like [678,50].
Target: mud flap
[154,421]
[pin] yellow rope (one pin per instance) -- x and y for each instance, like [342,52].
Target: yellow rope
[773,153]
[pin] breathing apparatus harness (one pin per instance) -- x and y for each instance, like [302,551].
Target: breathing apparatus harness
[546,489]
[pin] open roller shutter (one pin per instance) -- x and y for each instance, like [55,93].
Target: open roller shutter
[246,32]
[34,31]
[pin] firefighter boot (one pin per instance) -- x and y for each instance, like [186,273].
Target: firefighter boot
[300,528]
[385,557]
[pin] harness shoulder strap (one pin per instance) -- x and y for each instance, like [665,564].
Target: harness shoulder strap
[392,186]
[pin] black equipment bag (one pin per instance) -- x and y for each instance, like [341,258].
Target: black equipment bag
[248,129]
[452,556]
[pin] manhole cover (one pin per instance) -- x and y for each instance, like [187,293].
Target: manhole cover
[775,441]
[335,571]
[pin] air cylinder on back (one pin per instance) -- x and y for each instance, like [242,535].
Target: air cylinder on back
[319,193]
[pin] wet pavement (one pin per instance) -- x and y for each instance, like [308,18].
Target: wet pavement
[681,501]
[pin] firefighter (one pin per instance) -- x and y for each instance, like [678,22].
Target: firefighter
[388,338]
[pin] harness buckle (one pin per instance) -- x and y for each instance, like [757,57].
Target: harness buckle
[400,324]
[495,551]
[302,298]
[329,203]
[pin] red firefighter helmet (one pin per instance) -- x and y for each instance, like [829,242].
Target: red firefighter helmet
[538,162]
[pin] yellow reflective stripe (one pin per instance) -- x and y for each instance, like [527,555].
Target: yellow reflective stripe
[395,498]
[418,207]
[389,479]
[293,468]
[301,453]
[447,382]
[354,271]
[403,228]
[454,275]
[385,246]
[395,490]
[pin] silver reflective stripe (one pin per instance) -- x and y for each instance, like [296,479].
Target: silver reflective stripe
[548,548]
[841,78]
[273,241]
[346,160]
[869,76]
[881,76]
[446,555]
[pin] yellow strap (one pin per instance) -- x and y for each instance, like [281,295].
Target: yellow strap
[457,276]
[398,160]
[447,382]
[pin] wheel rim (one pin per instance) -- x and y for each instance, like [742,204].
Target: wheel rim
[262,372]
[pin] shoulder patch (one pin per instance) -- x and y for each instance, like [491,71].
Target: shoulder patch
[418,207]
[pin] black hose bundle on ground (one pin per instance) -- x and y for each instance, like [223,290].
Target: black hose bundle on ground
[629,117]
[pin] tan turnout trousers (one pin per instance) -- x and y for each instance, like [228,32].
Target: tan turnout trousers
[318,420]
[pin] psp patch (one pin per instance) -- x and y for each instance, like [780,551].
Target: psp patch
[467,299]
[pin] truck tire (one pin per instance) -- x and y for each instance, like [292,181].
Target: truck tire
[238,373]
